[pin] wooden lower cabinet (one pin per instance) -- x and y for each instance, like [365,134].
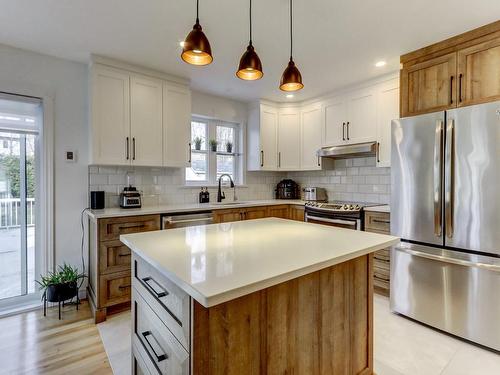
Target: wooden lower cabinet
[109,284]
[297,212]
[255,213]
[379,222]
[317,324]
[283,211]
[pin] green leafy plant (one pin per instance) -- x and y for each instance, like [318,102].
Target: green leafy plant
[213,145]
[66,274]
[229,146]
[197,142]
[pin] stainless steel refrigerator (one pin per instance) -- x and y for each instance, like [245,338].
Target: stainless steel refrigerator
[445,206]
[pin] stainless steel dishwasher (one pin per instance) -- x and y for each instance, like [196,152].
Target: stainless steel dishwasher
[186,219]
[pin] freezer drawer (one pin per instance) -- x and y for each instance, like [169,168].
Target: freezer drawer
[452,291]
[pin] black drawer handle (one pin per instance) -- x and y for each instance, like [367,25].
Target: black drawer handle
[124,286]
[159,357]
[124,255]
[381,221]
[147,281]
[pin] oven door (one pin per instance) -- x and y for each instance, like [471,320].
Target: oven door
[350,223]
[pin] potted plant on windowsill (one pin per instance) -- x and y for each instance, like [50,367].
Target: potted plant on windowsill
[60,286]
[197,143]
[213,145]
[229,147]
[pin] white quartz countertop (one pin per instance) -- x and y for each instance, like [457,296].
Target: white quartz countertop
[174,208]
[219,262]
[382,208]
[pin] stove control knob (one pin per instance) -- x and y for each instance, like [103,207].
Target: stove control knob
[357,207]
[351,207]
[346,206]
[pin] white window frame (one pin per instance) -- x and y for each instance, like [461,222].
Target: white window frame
[212,156]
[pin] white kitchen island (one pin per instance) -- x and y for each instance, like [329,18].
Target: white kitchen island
[267,296]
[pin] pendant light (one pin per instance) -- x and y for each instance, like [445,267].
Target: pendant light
[291,80]
[250,68]
[196,47]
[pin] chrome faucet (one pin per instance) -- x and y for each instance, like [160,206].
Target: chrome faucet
[220,193]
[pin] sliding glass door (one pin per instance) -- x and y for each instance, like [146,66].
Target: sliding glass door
[20,123]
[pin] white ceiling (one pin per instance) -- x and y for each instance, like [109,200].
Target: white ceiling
[336,42]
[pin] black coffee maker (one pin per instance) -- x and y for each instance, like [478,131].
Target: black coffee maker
[287,189]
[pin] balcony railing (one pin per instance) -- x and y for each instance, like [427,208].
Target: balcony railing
[10,212]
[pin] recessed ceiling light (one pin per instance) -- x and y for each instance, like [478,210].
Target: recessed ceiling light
[289,96]
[380,64]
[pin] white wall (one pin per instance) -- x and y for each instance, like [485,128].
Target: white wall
[66,82]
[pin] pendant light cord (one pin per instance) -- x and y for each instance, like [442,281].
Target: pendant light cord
[250,22]
[197,10]
[291,31]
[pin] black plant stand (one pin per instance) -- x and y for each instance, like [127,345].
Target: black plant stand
[66,292]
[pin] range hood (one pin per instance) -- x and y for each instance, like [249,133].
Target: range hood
[359,150]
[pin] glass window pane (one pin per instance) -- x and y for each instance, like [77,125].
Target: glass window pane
[198,169]
[225,164]
[198,135]
[225,135]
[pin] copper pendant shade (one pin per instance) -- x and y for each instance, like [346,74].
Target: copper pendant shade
[196,48]
[250,68]
[291,79]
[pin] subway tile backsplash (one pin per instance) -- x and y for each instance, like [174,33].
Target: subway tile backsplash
[351,179]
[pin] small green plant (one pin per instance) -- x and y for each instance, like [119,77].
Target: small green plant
[229,147]
[197,143]
[65,275]
[213,145]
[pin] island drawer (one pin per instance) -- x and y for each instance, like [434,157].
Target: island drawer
[139,365]
[112,228]
[114,256]
[114,288]
[384,254]
[156,345]
[377,221]
[171,304]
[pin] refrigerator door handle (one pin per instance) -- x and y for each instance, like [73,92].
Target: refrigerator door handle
[449,177]
[438,173]
[445,259]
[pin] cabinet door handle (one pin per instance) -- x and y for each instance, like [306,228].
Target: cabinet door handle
[127,147]
[189,152]
[343,131]
[319,162]
[460,76]
[381,221]
[159,357]
[451,90]
[279,159]
[133,148]
[347,130]
[158,294]
[378,152]
[261,158]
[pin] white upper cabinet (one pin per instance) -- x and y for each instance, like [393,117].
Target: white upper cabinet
[110,116]
[176,126]
[387,110]
[146,121]
[289,139]
[361,114]
[311,125]
[335,112]
[262,138]
[137,119]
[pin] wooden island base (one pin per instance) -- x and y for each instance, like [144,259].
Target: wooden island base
[320,323]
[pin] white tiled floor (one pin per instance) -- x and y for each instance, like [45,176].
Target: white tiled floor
[402,347]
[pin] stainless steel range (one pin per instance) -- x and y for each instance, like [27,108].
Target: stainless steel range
[338,213]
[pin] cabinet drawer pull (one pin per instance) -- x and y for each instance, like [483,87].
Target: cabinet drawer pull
[121,287]
[124,255]
[381,221]
[128,226]
[159,291]
[159,357]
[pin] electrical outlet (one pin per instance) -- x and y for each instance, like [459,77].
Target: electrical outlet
[70,156]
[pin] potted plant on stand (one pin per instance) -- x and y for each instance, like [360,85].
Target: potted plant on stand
[197,143]
[213,145]
[61,286]
[229,147]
